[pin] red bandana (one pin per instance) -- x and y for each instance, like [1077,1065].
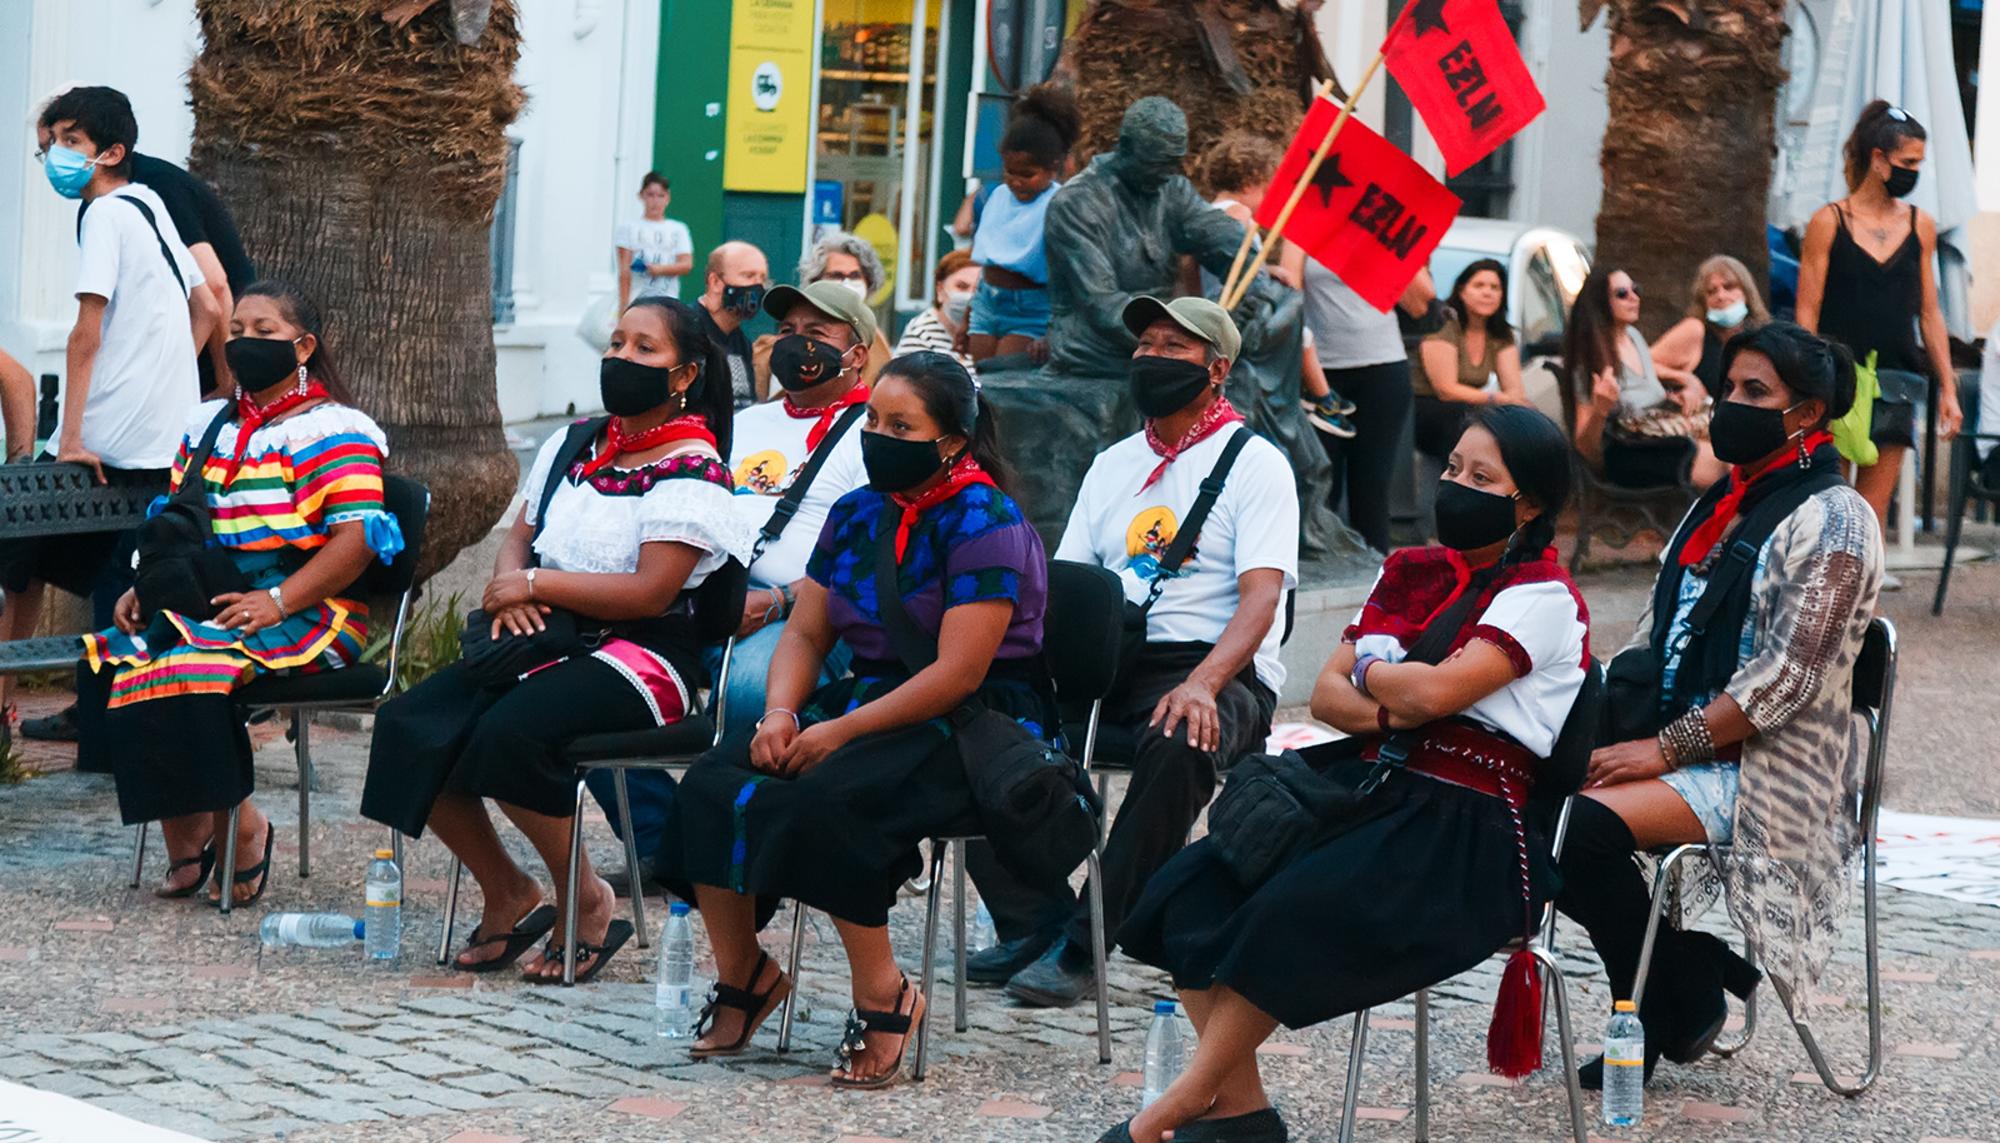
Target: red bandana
[250,416]
[965,472]
[688,428]
[855,396]
[1703,538]
[1212,421]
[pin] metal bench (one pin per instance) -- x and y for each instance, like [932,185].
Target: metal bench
[38,500]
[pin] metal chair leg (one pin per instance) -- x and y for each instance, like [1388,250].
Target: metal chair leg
[1564,1037]
[958,1022]
[792,969]
[1726,1050]
[226,875]
[1423,1065]
[570,880]
[930,955]
[1095,887]
[396,847]
[632,857]
[302,750]
[139,854]
[1668,872]
[1870,921]
[450,909]
[1350,1099]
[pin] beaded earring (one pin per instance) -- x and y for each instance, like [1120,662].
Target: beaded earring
[303,375]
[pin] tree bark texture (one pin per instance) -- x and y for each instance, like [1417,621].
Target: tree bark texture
[362,162]
[1692,94]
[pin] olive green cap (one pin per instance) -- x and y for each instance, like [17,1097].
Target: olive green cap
[1198,316]
[830,298]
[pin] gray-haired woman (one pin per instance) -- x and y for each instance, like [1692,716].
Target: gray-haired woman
[837,257]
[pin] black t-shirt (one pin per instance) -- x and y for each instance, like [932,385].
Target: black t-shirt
[736,347]
[198,215]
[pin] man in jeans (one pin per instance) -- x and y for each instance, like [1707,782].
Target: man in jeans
[131,384]
[824,332]
[1204,689]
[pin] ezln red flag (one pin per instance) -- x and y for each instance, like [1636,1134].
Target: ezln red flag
[1458,63]
[1371,214]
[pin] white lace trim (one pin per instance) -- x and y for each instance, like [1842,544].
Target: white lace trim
[297,431]
[591,532]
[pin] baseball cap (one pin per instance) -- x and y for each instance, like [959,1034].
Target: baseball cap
[1198,316]
[829,298]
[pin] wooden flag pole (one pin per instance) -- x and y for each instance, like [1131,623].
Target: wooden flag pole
[1250,231]
[1231,299]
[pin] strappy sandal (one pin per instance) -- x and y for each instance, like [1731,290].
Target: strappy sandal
[518,940]
[860,1022]
[598,955]
[755,1006]
[205,859]
[260,873]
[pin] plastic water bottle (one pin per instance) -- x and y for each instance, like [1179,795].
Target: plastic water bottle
[1166,1052]
[310,930]
[982,936]
[385,906]
[673,992]
[1624,1067]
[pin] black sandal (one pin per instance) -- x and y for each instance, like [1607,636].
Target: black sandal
[597,955]
[519,939]
[860,1022]
[755,1006]
[205,859]
[260,873]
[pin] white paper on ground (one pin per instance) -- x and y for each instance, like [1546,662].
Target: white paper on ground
[30,1116]
[1956,858]
[1297,736]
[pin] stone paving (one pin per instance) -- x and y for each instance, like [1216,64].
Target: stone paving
[174,1015]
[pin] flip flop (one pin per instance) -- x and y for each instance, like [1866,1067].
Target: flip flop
[205,859]
[597,955]
[260,873]
[519,939]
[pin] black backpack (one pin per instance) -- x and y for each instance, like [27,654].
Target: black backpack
[178,567]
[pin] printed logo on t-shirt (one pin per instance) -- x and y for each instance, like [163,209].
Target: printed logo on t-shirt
[1147,539]
[762,473]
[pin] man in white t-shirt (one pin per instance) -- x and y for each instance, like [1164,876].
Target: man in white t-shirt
[824,332]
[654,251]
[131,382]
[1203,691]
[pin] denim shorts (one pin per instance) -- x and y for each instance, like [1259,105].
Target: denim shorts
[1710,791]
[1009,313]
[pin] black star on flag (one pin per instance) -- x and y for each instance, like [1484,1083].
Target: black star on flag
[1428,15]
[1329,179]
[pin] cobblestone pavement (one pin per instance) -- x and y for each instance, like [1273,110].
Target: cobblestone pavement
[172,1014]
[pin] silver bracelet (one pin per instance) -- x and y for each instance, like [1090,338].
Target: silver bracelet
[278,597]
[794,715]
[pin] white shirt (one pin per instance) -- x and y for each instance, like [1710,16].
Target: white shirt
[143,385]
[1989,393]
[592,531]
[1255,524]
[1536,621]
[767,450]
[658,243]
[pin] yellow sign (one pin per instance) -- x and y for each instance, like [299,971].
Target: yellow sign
[769,106]
[881,234]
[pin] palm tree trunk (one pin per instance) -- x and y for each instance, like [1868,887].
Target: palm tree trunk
[1692,95]
[363,161]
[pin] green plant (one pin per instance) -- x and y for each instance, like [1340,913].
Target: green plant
[13,768]
[430,642]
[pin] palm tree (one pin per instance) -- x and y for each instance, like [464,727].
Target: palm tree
[1692,95]
[362,145]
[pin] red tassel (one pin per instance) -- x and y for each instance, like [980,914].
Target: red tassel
[1514,1041]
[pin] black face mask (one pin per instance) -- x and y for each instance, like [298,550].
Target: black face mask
[1742,434]
[1468,519]
[629,388]
[800,362]
[1901,181]
[260,362]
[898,465]
[1163,386]
[743,301]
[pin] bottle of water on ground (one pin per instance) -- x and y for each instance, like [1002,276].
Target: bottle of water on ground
[1166,1052]
[385,906]
[982,936]
[1624,1067]
[673,992]
[309,930]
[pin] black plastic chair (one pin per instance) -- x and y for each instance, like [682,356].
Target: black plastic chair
[1969,481]
[360,688]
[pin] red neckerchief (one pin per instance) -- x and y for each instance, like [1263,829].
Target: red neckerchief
[689,428]
[855,396]
[250,417]
[1703,538]
[965,471]
[1212,420]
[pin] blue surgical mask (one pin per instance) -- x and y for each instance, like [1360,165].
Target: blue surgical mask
[1731,315]
[68,171]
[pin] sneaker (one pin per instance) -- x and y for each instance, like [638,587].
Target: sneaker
[1327,416]
[1057,980]
[999,964]
[1890,582]
[1341,405]
[57,727]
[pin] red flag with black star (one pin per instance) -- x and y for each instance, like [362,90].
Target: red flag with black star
[1371,214]
[1459,64]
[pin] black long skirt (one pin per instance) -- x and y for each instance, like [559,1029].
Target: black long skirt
[843,836]
[170,757]
[1423,889]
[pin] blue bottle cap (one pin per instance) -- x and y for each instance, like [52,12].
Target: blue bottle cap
[1163,1008]
[360,929]
[678,909]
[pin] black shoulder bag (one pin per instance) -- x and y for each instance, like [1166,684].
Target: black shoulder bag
[1274,806]
[165,252]
[1132,638]
[788,504]
[501,662]
[1034,801]
[177,566]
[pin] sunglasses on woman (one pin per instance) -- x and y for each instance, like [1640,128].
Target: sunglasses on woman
[1623,292]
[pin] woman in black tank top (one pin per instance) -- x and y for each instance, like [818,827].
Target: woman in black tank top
[1723,301]
[1862,287]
